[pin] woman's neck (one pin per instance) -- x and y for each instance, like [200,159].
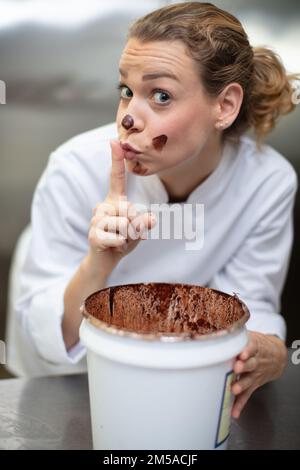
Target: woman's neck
[181,180]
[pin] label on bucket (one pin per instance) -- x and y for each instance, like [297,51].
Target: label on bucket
[225,411]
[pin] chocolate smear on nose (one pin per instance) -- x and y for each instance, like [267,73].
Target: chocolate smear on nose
[127,121]
[159,142]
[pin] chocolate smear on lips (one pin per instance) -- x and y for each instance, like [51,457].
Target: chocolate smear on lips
[159,142]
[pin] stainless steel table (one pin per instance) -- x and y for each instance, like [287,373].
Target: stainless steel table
[53,413]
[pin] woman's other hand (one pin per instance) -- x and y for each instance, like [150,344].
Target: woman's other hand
[263,360]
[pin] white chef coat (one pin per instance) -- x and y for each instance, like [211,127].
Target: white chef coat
[248,230]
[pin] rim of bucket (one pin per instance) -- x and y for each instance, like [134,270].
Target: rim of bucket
[160,336]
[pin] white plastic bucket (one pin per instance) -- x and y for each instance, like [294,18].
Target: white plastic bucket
[160,390]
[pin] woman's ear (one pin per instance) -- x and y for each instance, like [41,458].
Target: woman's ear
[229,103]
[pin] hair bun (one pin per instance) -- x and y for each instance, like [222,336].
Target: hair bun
[272,89]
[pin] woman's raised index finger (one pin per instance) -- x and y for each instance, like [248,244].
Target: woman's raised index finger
[117,175]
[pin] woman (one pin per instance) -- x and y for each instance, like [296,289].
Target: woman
[191,85]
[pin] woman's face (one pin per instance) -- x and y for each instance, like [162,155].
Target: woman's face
[173,105]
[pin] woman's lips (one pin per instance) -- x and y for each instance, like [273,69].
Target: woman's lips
[129,148]
[131,155]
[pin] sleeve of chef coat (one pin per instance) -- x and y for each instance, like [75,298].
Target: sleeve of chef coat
[257,271]
[60,223]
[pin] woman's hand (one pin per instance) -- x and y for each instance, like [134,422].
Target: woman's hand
[263,360]
[116,227]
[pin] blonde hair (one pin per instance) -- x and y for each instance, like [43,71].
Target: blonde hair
[216,40]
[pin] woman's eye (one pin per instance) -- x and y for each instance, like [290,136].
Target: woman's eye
[161,97]
[125,92]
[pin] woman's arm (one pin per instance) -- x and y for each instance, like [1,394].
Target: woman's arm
[90,277]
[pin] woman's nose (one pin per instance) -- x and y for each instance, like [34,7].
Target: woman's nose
[132,122]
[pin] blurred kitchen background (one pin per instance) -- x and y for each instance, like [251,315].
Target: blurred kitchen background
[59,61]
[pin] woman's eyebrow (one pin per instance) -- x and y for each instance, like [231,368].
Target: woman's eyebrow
[154,75]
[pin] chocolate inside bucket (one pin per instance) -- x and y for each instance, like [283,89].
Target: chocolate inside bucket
[161,309]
